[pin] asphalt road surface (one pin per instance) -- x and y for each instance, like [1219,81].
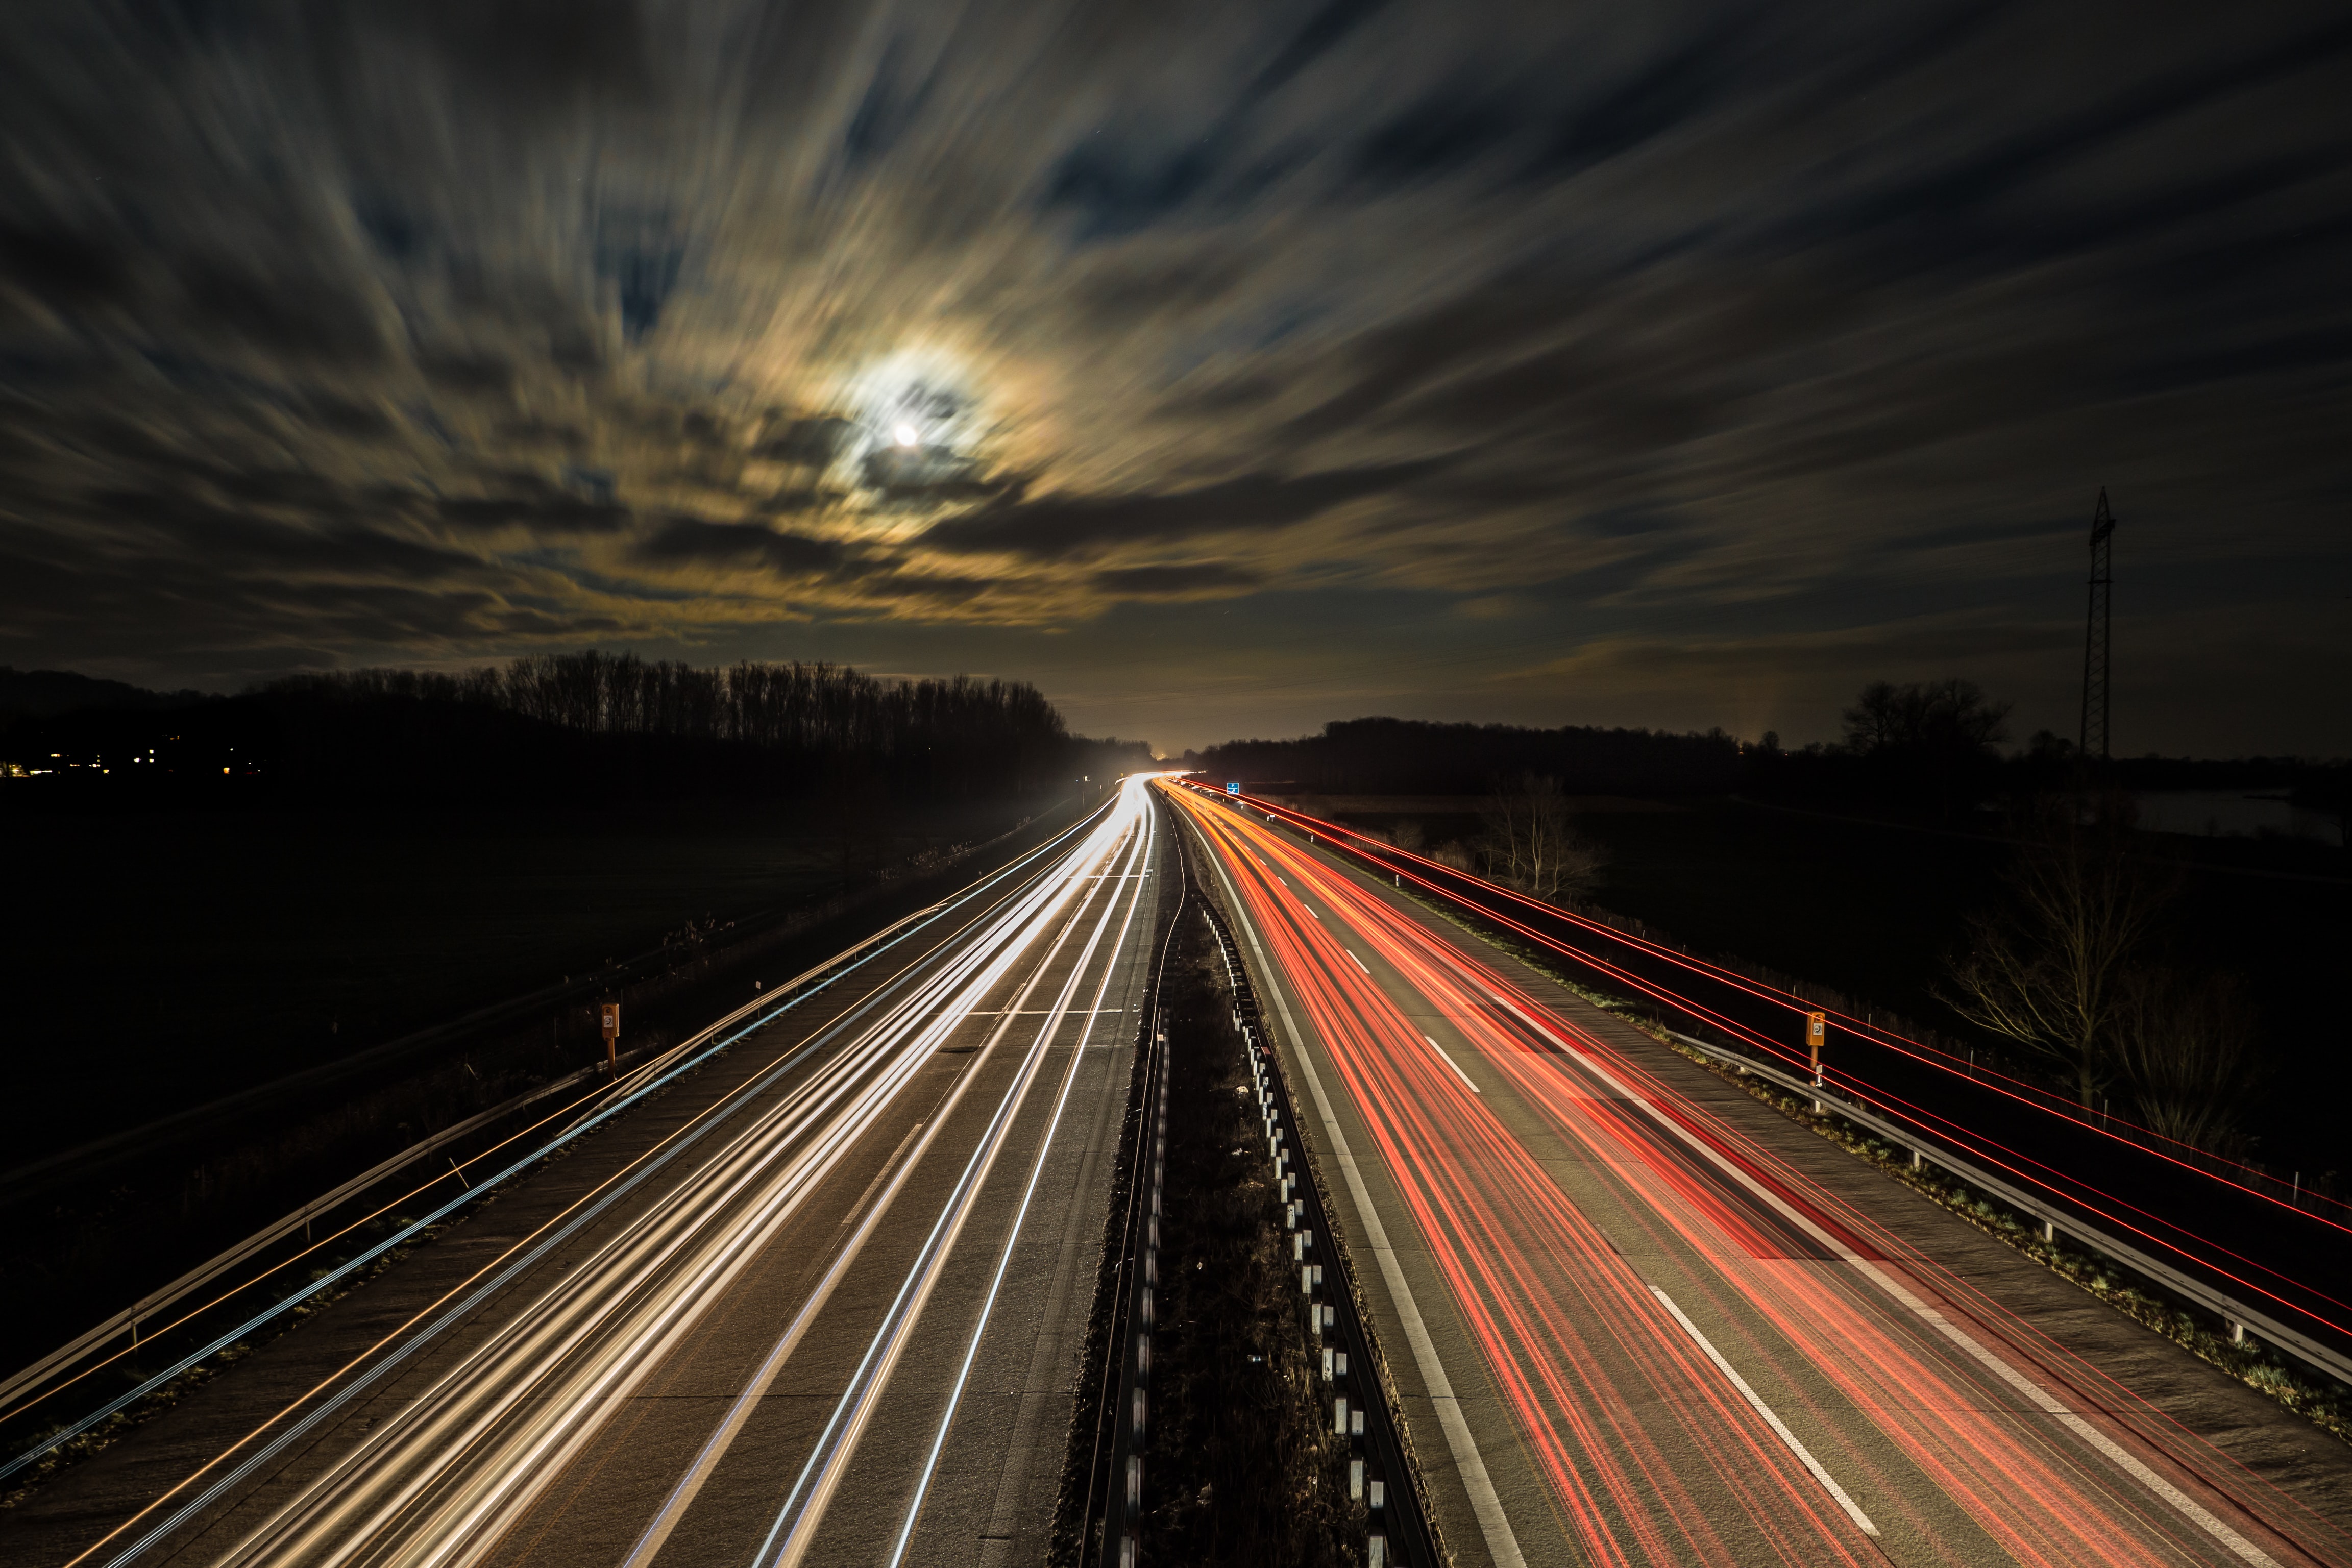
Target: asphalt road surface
[1625,1331]
[821,1302]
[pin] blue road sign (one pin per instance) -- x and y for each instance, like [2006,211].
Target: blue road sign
[1234,786]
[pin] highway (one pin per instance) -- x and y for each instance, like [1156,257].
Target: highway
[1623,1331]
[821,1302]
[2263,1240]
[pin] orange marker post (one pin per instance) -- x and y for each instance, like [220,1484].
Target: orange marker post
[1817,1025]
[612,1011]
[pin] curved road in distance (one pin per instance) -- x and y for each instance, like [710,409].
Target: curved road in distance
[1624,1332]
[822,1304]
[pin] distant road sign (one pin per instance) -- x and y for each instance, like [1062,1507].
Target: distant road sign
[611,1019]
[1234,786]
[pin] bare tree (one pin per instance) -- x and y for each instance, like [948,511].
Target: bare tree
[1930,741]
[2186,1046]
[1531,845]
[2054,971]
[1931,716]
[1408,835]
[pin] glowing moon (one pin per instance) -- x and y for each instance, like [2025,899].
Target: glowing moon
[906,435]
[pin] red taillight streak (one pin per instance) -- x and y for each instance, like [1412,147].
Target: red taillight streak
[1969,1454]
[1970,1457]
[1432,1132]
[2010,1088]
[2059,1184]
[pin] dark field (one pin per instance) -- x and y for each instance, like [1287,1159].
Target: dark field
[164,960]
[1870,909]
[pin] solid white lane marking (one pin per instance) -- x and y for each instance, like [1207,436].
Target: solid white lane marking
[1502,1545]
[889,1165]
[1452,1063]
[690,1486]
[1146,843]
[826,1468]
[1803,1454]
[1037,1012]
[2189,1507]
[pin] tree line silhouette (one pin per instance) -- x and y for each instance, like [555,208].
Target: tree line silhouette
[586,728]
[1413,756]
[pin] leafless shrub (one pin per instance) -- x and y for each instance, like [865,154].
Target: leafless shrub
[1531,844]
[2057,970]
[2187,1049]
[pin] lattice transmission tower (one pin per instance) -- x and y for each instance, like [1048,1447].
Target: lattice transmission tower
[2095,643]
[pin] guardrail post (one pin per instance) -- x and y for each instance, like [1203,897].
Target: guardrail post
[2241,1320]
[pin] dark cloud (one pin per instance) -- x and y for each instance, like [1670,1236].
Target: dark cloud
[1674,89]
[532,53]
[548,511]
[302,318]
[534,432]
[1061,525]
[1174,581]
[691,541]
[928,476]
[346,417]
[364,331]
[452,371]
[60,266]
[808,442]
[1435,136]
[794,502]
[639,253]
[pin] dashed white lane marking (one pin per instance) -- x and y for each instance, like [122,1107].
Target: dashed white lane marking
[2189,1507]
[1502,1545]
[1774,1421]
[1452,1063]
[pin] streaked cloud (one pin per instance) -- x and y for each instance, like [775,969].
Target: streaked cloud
[1506,351]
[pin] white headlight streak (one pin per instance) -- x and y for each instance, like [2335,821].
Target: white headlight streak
[465,1457]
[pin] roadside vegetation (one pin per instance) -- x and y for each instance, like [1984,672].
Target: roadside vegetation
[2296,1388]
[2005,903]
[1240,1465]
[2072,967]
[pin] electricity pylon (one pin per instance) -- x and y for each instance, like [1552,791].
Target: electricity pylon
[2095,643]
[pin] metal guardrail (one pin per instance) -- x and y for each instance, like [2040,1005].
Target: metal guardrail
[161,1301]
[1439,880]
[1397,1517]
[2055,1221]
[204,1274]
[53,1366]
[2240,1318]
[1128,1410]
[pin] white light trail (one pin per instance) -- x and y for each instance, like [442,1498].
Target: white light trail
[460,1466]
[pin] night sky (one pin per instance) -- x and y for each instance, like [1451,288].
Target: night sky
[1223,370]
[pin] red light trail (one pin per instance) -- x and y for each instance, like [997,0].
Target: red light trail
[2300,1300]
[1705,1356]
